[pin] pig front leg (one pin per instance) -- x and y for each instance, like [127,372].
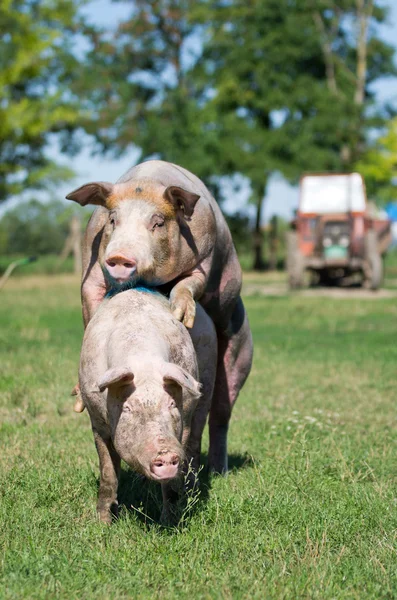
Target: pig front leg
[172,492]
[109,466]
[185,293]
[93,290]
[93,285]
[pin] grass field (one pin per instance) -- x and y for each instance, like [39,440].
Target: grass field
[309,509]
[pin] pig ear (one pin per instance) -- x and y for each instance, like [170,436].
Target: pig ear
[92,193]
[117,376]
[180,198]
[173,374]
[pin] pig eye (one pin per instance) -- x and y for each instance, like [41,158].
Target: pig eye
[112,218]
[156,221]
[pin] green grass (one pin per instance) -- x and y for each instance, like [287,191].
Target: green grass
[309,509]
[46,264]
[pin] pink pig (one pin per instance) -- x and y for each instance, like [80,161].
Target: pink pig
[147,391]
[159,225]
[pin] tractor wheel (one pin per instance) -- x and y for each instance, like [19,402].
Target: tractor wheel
[295,262]
[373,272]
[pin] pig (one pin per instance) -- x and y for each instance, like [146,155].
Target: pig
[159,225]
[147,391]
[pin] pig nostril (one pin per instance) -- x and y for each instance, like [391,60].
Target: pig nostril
[121,261]
[165,466]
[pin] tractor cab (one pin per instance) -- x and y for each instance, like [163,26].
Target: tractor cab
[335,238]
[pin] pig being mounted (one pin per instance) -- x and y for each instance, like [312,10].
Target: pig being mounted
[159,225]
[139,376]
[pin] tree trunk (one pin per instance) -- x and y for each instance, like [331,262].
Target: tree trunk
[75,229]
[364,13]
[273,243]
[326,45]
[364,10]
[73,245]
[258,263]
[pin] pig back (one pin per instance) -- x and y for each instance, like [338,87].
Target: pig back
[132,323]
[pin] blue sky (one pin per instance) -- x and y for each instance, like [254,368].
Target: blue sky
[281,198]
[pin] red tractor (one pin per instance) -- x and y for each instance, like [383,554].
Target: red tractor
[334,237]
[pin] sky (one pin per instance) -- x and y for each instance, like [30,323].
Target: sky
[281,198]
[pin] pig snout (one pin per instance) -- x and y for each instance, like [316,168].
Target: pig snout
[120,267]
[165,466]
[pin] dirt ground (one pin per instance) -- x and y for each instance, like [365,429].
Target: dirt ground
[275,284]
[282,290]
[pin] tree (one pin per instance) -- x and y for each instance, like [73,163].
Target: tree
[379,166]
[37,66]
[35,228]
[292,83]
[271,85]
[137,88]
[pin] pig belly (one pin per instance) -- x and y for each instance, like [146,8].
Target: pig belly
[222,292]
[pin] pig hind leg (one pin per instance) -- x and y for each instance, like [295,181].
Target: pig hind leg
[234,364]
[205,342]
[109,465]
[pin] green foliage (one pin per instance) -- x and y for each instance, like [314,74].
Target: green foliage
[36,228]
[307,511]
[137,89]
[379,166]
[37,66]
[240,87]
[46,264]
[240,229]
[280,107]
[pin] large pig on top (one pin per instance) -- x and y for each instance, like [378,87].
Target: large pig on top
[159,225]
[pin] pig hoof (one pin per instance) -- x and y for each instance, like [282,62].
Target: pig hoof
[218,467]
[169,518]
[183,308]
[105,517]
[217,472]
[108,515]
[79,404]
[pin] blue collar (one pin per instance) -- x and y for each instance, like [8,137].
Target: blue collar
[113,291]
